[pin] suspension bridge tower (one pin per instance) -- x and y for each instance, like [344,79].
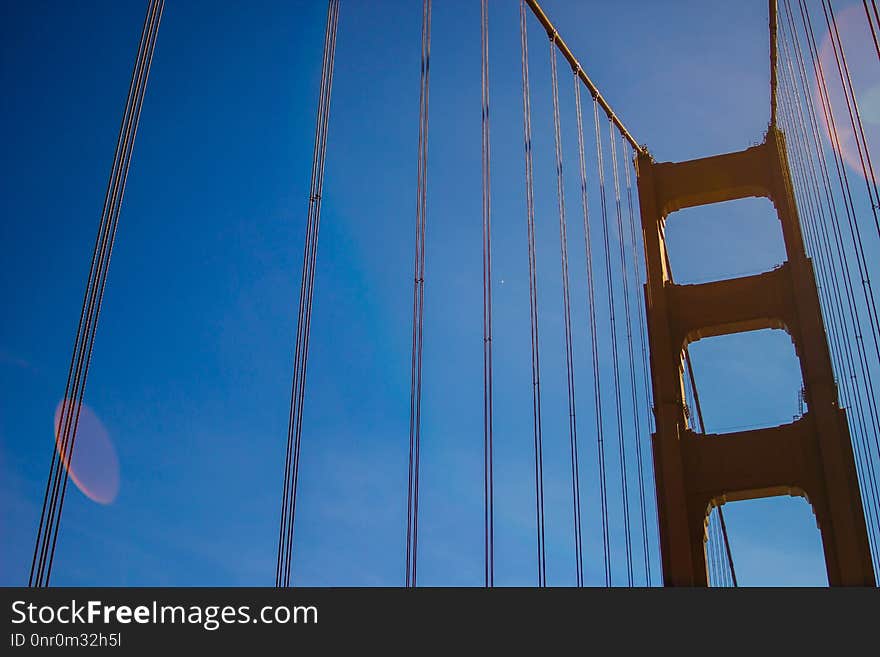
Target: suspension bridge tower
[811,456]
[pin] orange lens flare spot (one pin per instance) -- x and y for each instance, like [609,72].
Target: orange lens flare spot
[94,466]
[861,61]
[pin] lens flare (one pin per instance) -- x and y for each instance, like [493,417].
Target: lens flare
[94,466]
[864,69]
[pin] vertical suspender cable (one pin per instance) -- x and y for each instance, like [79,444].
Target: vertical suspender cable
[74,372]
[833,213]
[722,562]
[852,106]
[488,465]
[610,285]
[56,485]
[727,547]
[566,303]
[698,407]
[711,547]
[846,191]
[699,410]
[773,61]
[304,316]
[594,340]
[843,178]
[850,389]
[624,483]
[832,209]
[61,451]
[415,422]
[603,204]
[640,301]
[826,285]
[871,24]
[533,302]
[632,367]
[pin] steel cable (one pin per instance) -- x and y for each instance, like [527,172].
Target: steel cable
[65,431]
[533,304]
[283,572]
[412,530]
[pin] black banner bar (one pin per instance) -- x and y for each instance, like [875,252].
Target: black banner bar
[153,619]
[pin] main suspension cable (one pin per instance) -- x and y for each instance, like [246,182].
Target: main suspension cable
[582,75]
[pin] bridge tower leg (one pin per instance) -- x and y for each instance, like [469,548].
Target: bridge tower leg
[812,456]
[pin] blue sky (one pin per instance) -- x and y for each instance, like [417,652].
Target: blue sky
[192,364]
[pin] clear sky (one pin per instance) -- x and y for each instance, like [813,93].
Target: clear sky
[191,371]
